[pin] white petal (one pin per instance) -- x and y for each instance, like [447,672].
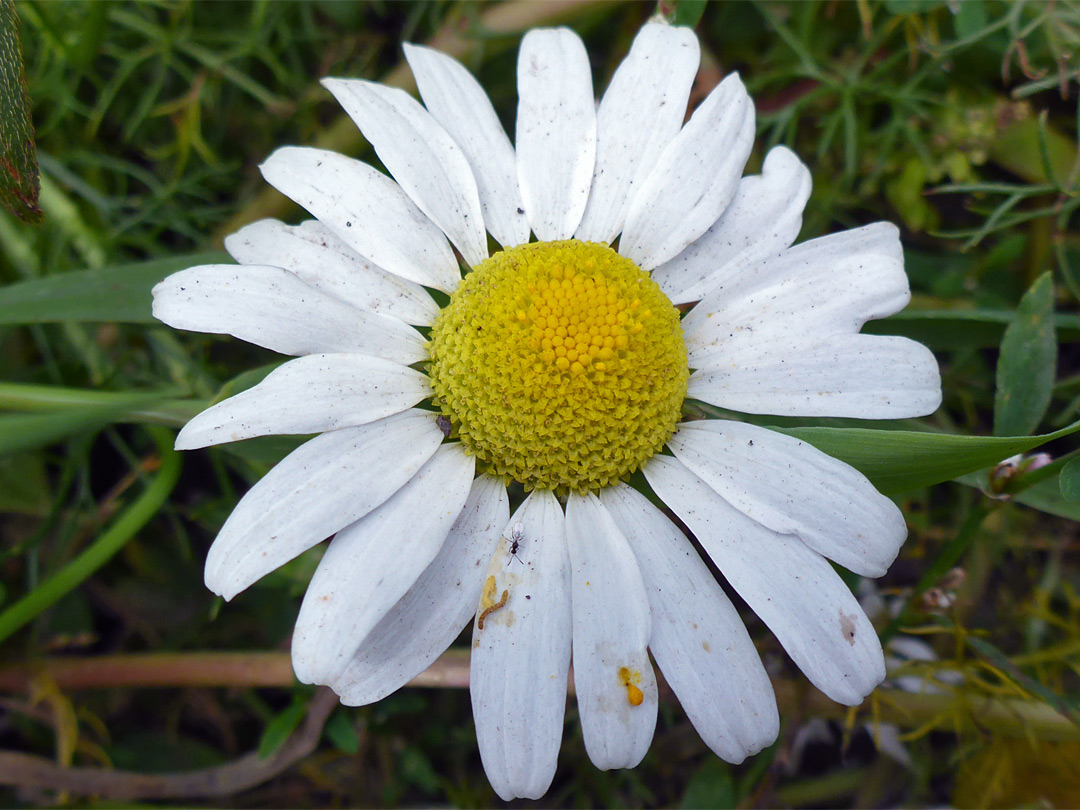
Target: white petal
[698,640]
[372,563]
[860,376]
[793,488]
[789,585]
[521,653]
[323,485]
[272,308]
[366,210]
[613,677]
[311,394]
[427,619]
[421,156]
[457,101]
[312,252]
[762,220]
[824,287]
[641,112]
[556,130]
[693,180]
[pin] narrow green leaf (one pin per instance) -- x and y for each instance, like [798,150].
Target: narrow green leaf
[19,181]
[1027,364]
[118,293]
[943,329]
[243,381]
[912,6]
[277,731]
[1069,481]
[688,12]
[27,431]
[903,460]
[24,431]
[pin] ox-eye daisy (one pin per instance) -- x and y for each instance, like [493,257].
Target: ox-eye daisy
[561,364]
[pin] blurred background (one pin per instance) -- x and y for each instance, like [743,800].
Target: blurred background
[123,679]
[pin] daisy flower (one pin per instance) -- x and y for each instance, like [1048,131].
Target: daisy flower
[441,367]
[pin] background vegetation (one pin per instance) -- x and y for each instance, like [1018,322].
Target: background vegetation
[957,120]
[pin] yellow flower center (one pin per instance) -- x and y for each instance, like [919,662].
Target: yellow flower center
[560,365]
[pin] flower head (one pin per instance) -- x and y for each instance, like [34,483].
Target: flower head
[561,364]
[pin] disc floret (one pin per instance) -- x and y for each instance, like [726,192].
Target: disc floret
[561,365]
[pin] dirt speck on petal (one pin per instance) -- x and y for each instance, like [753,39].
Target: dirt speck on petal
[847,627]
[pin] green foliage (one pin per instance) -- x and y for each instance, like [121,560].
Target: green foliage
[281,726]
[118,294]
[1070,481]
[712,786]
[899,461]
[958,121]
[1027,363]
[688,12]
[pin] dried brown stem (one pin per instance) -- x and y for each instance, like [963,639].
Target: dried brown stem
[946,710]
[153,669]
[32,772]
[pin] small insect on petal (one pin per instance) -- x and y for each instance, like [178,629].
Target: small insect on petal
[488,604]
[517,537]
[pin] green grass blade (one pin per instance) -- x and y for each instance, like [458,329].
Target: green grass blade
[119,293]
[943,329]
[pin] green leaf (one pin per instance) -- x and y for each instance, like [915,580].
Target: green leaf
[1069,481]
[19,182]
[342,733]
[278,730]
[24,431]
[912,6]
[1027,363]
[243,381]
[1017,148]
[970,18]
[688,12]
[943,329]
[903,460]
[119,293]
[24,485]
[1046,497]
[263,452]
[712,785]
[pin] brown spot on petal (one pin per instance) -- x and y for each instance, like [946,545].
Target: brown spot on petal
[847,627]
